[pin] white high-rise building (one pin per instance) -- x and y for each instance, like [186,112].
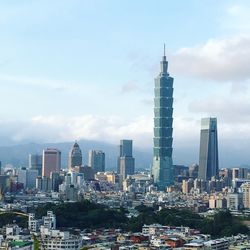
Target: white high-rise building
[33,223]
[246,194]
[49,221]
[235,201]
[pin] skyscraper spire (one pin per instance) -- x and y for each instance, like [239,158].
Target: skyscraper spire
[164,63]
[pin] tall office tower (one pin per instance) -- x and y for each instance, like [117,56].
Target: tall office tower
[162,169]
[75,157]
[126,161]
[208,163]
[31,178]
[36,162]
[46,184]
[97,160]
[22,176]
[27,177]
[51,161]
[55,181]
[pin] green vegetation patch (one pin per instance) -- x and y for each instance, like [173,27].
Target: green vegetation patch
[87,215]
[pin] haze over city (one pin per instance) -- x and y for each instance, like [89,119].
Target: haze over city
[66,74]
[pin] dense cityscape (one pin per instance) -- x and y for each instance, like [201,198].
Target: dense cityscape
[169,206]
[95,202]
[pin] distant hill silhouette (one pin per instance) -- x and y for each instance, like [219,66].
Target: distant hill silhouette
[18,154]
[232,153]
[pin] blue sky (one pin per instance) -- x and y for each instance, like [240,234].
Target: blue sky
[85,69]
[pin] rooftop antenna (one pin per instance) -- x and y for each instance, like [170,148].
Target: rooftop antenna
[164,63]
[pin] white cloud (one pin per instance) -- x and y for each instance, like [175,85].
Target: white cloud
[232,110]
[218,59]
[90,127]
[101,128]
[236,18]
[233,114]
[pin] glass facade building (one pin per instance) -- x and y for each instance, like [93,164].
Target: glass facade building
[126,161]
[163,128]
[97,160]
[75,157]
[208,159]
[36,162]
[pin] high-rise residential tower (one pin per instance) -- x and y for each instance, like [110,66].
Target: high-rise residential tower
[97,160]
[75,157]
[126,161]
[162,169]
[208,162]
[51,161]
[36,162]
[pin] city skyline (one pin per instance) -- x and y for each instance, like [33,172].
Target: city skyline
[108,125]
[204,88]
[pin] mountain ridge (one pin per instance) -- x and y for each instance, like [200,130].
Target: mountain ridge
[17,154]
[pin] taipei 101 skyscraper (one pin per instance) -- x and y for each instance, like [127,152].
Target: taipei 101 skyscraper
[162,169]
